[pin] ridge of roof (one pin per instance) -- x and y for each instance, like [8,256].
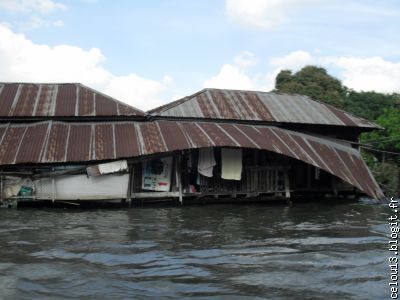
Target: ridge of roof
[159,110]
[174,103]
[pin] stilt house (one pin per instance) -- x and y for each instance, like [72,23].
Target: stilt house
[68,142]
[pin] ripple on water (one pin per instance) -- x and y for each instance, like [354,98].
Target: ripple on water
[308,251]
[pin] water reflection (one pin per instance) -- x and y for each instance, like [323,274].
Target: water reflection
[307,251]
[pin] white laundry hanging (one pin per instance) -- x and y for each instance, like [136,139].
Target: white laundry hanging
[231,163]
[206,162]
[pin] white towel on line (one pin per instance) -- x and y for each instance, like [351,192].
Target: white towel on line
[231,164]
[206,162]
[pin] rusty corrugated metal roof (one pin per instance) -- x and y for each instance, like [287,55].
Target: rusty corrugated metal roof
[58,142]
[258,106]
[59,100]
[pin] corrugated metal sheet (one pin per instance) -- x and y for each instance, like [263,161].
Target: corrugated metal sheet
[59,100]
[258,106]
[77,142]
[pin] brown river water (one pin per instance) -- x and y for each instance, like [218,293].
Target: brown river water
[304,251]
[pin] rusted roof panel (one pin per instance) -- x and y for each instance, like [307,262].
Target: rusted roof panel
[7,96]
[57,142]
[45,102]
[66,108]
[80,142]
[195,135]
[86,102]
[233,133]
[59,100]
[104,141]
[150,138]
[25,105]
[258,106]
[175,137]
[126,140]
[105,107]
[31,146]
[215,134]
[13,137]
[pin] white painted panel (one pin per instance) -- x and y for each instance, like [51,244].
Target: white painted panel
[82,187]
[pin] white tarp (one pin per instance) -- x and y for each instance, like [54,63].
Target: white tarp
[107,168]
[157,174]
[76,187]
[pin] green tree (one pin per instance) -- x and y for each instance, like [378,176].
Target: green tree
[369,105]
[314,82]
[389,138]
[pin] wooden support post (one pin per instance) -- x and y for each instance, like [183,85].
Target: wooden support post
[53,196]
[178,178]
[287,185]
[130,185]
[53,187]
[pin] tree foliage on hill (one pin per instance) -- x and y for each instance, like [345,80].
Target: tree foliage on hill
[386,167]
[314,82]
[389,138]
[369,105]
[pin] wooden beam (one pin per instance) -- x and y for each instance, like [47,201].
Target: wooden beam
[145,195]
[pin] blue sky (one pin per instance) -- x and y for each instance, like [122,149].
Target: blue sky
[147,53]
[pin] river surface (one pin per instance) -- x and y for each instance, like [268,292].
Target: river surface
[306,251]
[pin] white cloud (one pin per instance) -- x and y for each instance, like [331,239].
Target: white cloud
[368,74]
[360,74]
[138,91]
[294,60]
[33,8]
[90,1]
[233,76]
[238,76]
[245,59]
[262,14]
[29,6]
[36,22]
[230,77]
[58,23]
[23,60]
